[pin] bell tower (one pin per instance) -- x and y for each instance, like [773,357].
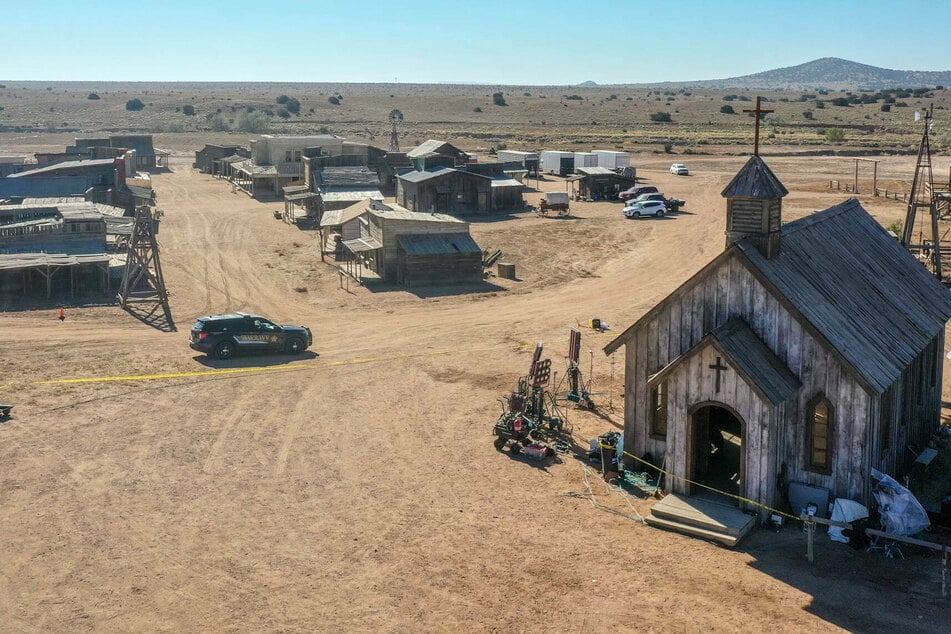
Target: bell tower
[754,202]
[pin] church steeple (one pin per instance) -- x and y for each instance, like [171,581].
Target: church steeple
[754,202]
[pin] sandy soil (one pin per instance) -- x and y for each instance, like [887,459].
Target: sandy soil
[357,488]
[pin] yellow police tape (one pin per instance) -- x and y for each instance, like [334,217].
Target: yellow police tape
[252,370]
[709,488]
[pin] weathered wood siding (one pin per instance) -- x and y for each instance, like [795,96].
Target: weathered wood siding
[772,435]
[443,268]
[387,229]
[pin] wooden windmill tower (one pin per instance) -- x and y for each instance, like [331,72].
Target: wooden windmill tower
[396,118]
[922,197]
[143,285]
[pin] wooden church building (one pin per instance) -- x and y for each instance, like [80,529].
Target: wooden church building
[808,352]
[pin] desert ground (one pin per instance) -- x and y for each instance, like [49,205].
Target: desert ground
[356,488]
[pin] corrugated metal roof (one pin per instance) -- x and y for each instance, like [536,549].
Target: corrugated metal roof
[338,217]
[395,212]
[755,180]
[505,182]
[13,261]
[346,177]
[420,176]
[437,243]
[354,194]
[358,245]
[65,165]
[432,146]
[596,171]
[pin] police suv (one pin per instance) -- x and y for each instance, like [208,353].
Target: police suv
[224,336]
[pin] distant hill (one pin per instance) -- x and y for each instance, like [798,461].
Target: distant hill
[588,84]
[831,73]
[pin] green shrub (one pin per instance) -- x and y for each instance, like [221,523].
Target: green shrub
[92,96]
[188,111]
[886,107]
[727,110]
[661,117]
[254,122]
[217,122]
[835,135]
[333,99]
[134,104]
[807,114]
[498,99]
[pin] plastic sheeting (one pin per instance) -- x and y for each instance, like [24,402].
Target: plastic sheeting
[847,511]
[901,512]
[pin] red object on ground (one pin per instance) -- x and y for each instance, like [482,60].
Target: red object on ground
[62,313]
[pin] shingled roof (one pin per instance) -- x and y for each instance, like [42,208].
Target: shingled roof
[851,283]
[755,180]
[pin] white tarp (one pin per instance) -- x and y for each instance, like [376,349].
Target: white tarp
[902,514]
[845,511]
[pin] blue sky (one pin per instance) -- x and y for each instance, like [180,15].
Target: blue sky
[485,41]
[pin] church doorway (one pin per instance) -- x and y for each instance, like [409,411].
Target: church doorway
[716,455]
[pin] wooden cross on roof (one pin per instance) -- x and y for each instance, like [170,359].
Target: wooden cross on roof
[759,113]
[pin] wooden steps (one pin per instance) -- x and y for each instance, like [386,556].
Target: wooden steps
[699,517]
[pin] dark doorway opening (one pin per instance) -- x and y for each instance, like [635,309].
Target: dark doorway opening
[717,455]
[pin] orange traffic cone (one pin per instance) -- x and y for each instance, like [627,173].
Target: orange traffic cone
[62,313]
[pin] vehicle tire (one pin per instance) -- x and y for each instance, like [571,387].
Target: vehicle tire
[636,215]
[294,346]
[660,213]
[224,350]
[499,443]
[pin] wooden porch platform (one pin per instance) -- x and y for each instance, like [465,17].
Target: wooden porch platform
[708,519]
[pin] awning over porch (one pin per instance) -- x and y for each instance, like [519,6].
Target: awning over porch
[749,356]
[359,245]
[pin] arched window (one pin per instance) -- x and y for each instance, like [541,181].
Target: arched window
[658,411]
[820,434]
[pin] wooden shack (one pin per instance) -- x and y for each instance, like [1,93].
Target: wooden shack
[438,259]
[444,190]
[378,245]
[809,352]
[598,183]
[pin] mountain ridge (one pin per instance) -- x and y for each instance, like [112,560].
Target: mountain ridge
[832,73]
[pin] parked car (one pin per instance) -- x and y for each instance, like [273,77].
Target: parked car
[224,336]
[651,196]
[655,208]
[679,169]
[634,192]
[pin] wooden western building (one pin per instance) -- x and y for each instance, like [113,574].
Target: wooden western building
[415,249]
[809,352]
[444,190]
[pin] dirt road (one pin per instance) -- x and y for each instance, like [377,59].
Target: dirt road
[357,488]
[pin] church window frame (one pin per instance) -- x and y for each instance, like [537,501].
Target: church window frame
[820,434]
[657,414]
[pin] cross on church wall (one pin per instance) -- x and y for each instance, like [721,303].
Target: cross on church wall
[759,113]
[718,367]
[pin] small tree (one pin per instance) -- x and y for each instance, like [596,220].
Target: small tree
[188,111]
[134,104]
[333,100]
[498,99]
[254,122]
[807,114]
[477,109]
[217,122]
[727,110]
[886,107]
[835,135]
[661,117]
[92,96]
